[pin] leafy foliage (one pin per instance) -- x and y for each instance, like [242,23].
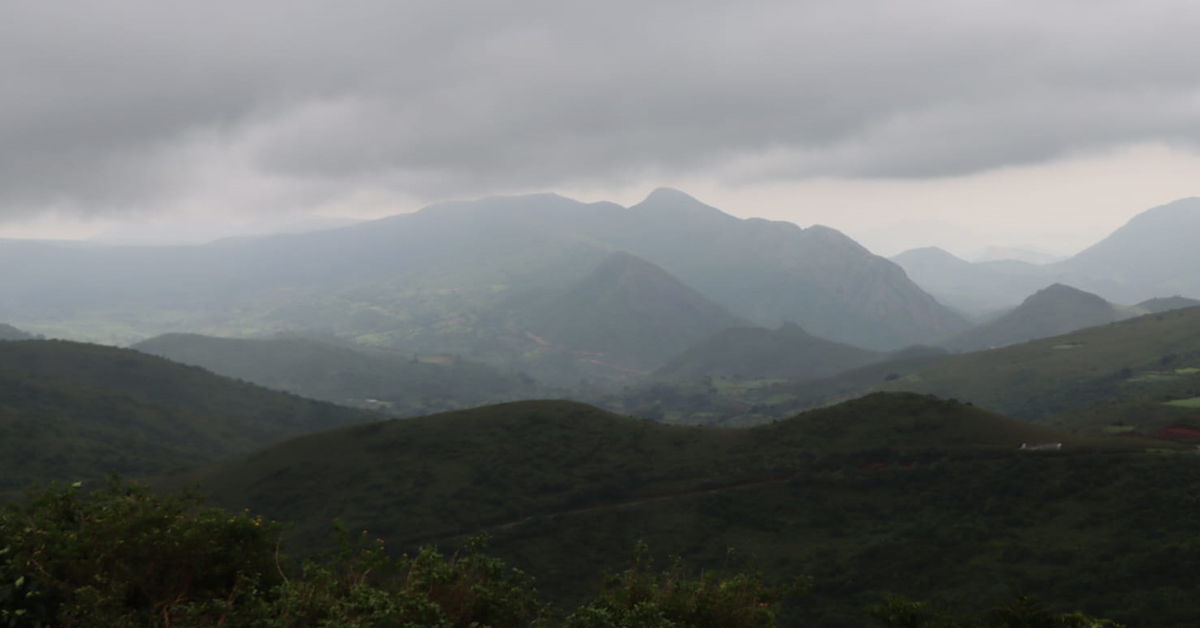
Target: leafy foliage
[121,556]
[669,599]
[1022,612]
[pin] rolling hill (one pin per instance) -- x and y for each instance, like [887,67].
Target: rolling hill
[627,312]
[71,411]
[1051,311]
[892,493]
[392,382]
[1039,379]
[787,353]
[1164,304]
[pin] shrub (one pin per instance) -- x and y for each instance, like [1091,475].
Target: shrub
[641,598]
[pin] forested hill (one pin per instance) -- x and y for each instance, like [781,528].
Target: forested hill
[72,411]
[399,383]
[939,491]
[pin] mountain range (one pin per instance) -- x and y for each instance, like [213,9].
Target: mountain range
[1151,256]
[408,280]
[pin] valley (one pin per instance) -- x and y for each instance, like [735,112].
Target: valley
[565,380]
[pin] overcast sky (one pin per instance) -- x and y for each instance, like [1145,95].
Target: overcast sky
[1046,122]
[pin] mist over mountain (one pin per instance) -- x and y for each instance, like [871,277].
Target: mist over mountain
[626,313]
[1016,254]
[975,288]
[1051,311]
[8,332]
[756,353]
[382,380]
[1151,256]
[400,280]
[1165,304]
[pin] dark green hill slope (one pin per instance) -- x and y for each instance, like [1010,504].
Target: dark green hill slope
[628,312]
[754,353]
[1051,311]
[399,384]
[900,493]
[72,411]
[458,472]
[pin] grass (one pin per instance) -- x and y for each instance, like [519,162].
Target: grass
[1193,402]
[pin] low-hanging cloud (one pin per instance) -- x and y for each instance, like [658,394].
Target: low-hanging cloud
[272,105]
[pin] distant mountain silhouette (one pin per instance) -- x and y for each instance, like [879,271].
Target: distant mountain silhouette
[628,312]
[755,353]
[1154,254]
[975,288]
[1165,304]
[1055,310]
[8,332]
[402,280]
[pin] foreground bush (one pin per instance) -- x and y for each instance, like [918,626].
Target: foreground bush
[1021,612]
[121,556]
[669,599]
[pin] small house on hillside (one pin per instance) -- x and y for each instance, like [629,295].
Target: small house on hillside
[1041,447]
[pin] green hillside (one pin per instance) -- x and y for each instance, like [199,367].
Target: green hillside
[71,411]
[627,313]
[787,353]
[389,381]
[901,493]
[1039,379]
[1051,311]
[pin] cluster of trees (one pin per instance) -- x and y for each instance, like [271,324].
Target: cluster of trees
[124,556]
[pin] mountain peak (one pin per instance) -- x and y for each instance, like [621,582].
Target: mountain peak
[1058,292]
[670,200]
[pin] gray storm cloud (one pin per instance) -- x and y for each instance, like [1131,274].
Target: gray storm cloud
[139,104]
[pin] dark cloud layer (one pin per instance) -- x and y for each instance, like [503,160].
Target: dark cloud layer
[140,104]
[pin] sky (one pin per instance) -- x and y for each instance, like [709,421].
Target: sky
[1043,123]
